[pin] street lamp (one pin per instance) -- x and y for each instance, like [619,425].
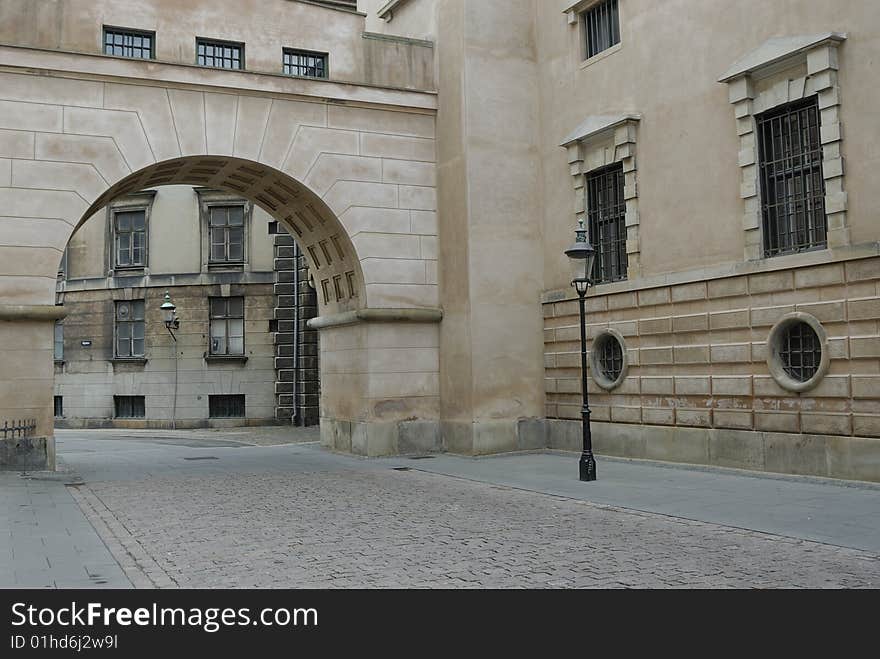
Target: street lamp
[581,256]
[169,313]
[172,322]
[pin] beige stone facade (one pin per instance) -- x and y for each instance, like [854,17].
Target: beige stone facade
[435,180]
[90,374]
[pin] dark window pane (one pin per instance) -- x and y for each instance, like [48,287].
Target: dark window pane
[220,407]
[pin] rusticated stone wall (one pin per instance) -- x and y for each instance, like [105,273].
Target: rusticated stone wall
[698,358]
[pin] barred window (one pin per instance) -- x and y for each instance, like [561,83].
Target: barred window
[610,357]
[602,27]
[129,407]
[226,406]
[792,183]
[227,326]
[130,329]
[606,214]
[305,63]
[220,54]
[800,352]
[130,230]
[226,225]
[129,43]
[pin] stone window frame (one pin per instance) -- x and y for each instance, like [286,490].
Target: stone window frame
[596,371]
[599,142]
[817,55]
[141,201]
[774,361]
[209,198]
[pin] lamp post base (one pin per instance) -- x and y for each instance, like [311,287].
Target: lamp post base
[587,467]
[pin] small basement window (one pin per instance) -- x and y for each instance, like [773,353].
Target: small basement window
[226,406]
[129,407]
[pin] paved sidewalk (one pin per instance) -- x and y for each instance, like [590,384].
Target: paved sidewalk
[46,540]
[841,513]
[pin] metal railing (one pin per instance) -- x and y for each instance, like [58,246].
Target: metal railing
[19,428]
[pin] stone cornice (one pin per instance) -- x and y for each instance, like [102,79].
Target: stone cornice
[377,316]
[21,312]
[597,124]
[776,50]
[157,73]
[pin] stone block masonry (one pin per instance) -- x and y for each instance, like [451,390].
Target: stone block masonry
[699,388]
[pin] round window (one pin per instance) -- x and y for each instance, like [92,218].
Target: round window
[798,357]
[608,360]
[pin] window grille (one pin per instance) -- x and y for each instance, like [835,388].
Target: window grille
[801,352]
[219,54]
[129,43]
[792,182]
[606,214]
[304,63]
[129,407]
[610,357]
[602,27]
[226,406]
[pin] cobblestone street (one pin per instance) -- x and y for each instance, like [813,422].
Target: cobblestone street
[412,529]
[213,514]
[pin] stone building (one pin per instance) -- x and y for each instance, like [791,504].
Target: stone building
[230,272]
[721,154]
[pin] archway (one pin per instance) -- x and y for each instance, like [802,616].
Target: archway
[354,185]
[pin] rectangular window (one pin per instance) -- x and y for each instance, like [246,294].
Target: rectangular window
[606,215]
[220,54]
[59,407]
[792,182]
[227,325]
[130,230]
[130,329]
[129,407]
[59,341]
[129,43]
[304,63]
[602,27]
[226,227]
[226,407]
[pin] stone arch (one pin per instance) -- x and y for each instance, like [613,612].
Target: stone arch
[363,158]
[324,241]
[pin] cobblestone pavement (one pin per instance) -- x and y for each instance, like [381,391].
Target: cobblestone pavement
[381,528]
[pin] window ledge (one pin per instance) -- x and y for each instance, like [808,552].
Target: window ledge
[225,359]
[600,56]
[129,360]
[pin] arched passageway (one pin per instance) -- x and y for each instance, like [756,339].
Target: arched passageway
[353,183]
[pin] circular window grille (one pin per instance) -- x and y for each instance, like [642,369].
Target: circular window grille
[800,352]
[610,357]
[797,356]
[608,360]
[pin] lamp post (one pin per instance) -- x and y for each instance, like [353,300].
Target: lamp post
[172,322]
[581,256]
